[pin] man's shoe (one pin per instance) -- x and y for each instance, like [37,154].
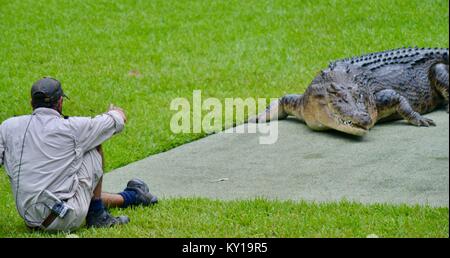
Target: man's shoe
[103,219]
[143,195]
[138,183]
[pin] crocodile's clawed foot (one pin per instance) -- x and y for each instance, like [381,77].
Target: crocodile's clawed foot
[423,121]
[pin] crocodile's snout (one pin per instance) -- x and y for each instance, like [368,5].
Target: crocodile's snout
[363,120]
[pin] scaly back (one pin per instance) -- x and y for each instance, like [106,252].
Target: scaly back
[409,57]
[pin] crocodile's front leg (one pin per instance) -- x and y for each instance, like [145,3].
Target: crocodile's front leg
[439,79]
[390,103]
[280,109]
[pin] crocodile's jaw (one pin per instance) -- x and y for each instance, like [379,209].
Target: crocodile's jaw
[353,130]
[319,117]
[348,125]
[334,121]
[348,129]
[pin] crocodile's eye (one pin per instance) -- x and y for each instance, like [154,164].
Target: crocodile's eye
[337,93]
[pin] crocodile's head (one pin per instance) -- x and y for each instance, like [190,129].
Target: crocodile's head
[340,104]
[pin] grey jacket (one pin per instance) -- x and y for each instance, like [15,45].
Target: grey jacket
[52,152]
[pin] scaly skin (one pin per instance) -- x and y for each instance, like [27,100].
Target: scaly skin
[352,94]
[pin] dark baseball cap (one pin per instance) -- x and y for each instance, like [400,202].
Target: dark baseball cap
[46,91]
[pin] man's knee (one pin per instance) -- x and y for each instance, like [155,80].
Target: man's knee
[93,159]
[91,169]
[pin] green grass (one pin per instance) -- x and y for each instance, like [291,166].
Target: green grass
[224,48]
[255,218]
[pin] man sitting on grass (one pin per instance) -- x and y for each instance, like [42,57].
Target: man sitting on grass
[55,164]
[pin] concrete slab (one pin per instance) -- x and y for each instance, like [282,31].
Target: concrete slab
[394,163]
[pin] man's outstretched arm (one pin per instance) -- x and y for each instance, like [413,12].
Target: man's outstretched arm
[92,132]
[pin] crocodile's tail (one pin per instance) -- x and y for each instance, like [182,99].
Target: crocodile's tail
[279,109]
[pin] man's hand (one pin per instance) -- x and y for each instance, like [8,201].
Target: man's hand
[119,110]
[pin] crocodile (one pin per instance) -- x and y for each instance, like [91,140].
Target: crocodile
[353,94]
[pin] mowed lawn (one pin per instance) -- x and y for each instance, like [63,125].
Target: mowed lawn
[142,54]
